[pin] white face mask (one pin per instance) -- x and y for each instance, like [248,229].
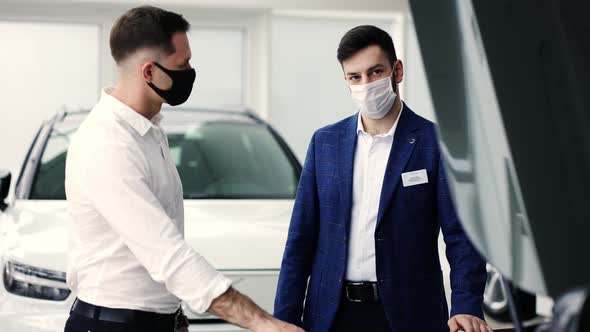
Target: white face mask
[374,99]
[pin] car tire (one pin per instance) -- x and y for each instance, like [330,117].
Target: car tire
[495,303]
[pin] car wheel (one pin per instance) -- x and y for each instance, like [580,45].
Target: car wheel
[495,302]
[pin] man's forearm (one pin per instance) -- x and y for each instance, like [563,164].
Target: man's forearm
[238,309]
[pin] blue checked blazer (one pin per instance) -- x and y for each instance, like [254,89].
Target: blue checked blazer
[408,223]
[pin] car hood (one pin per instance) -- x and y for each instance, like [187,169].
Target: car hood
[514,131]
[230,234]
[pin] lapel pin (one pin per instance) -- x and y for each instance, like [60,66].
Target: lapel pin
[412,140]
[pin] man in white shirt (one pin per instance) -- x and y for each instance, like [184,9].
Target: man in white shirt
[128,261]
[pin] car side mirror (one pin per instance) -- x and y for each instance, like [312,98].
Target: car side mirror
[5,178]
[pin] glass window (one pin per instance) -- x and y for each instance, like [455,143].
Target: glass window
[233,160]
[215,159]
[50,177]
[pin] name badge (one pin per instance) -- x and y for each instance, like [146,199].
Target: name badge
[414,178]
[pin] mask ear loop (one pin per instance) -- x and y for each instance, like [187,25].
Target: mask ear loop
[161,68]
[164,69]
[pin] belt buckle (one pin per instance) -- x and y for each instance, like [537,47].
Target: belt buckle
[348,293]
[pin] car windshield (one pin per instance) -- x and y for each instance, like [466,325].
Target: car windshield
[215,160]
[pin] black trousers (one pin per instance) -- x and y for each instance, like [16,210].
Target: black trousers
[356,317]
[77,323]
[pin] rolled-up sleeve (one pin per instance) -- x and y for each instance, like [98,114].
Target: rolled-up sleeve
[117,183]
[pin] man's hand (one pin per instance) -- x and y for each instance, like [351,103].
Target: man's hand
[271,324]
[468,323]
[238,309]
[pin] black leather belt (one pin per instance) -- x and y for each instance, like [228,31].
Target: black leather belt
[361,292]
[124,316]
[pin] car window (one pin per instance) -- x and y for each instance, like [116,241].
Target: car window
[215,160]
[232,160]
[50,176]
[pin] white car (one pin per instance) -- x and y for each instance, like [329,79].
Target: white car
[239,179]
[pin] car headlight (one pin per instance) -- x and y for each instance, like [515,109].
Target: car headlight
[29,281]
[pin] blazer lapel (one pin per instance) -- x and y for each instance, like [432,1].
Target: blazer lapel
[404,141]
[346,149]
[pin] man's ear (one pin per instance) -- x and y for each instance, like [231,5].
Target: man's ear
[147,71]
[398,71]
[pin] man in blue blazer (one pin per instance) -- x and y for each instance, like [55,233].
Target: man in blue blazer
[362,251]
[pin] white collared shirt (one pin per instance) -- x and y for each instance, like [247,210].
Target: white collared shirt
[370,161]
[126,217]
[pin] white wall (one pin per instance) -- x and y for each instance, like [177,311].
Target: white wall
[308,88]
[352,5]
[218,55]
[40,74]
[278,49]
[417,93]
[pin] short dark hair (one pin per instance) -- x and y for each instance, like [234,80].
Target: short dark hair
[362,37]
[145,27]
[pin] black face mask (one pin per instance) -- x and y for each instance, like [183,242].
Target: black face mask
[182,85]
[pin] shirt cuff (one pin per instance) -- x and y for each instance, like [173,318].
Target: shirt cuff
[219,285]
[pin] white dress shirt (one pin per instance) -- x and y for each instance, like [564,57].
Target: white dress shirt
[126,217]
[370,160]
